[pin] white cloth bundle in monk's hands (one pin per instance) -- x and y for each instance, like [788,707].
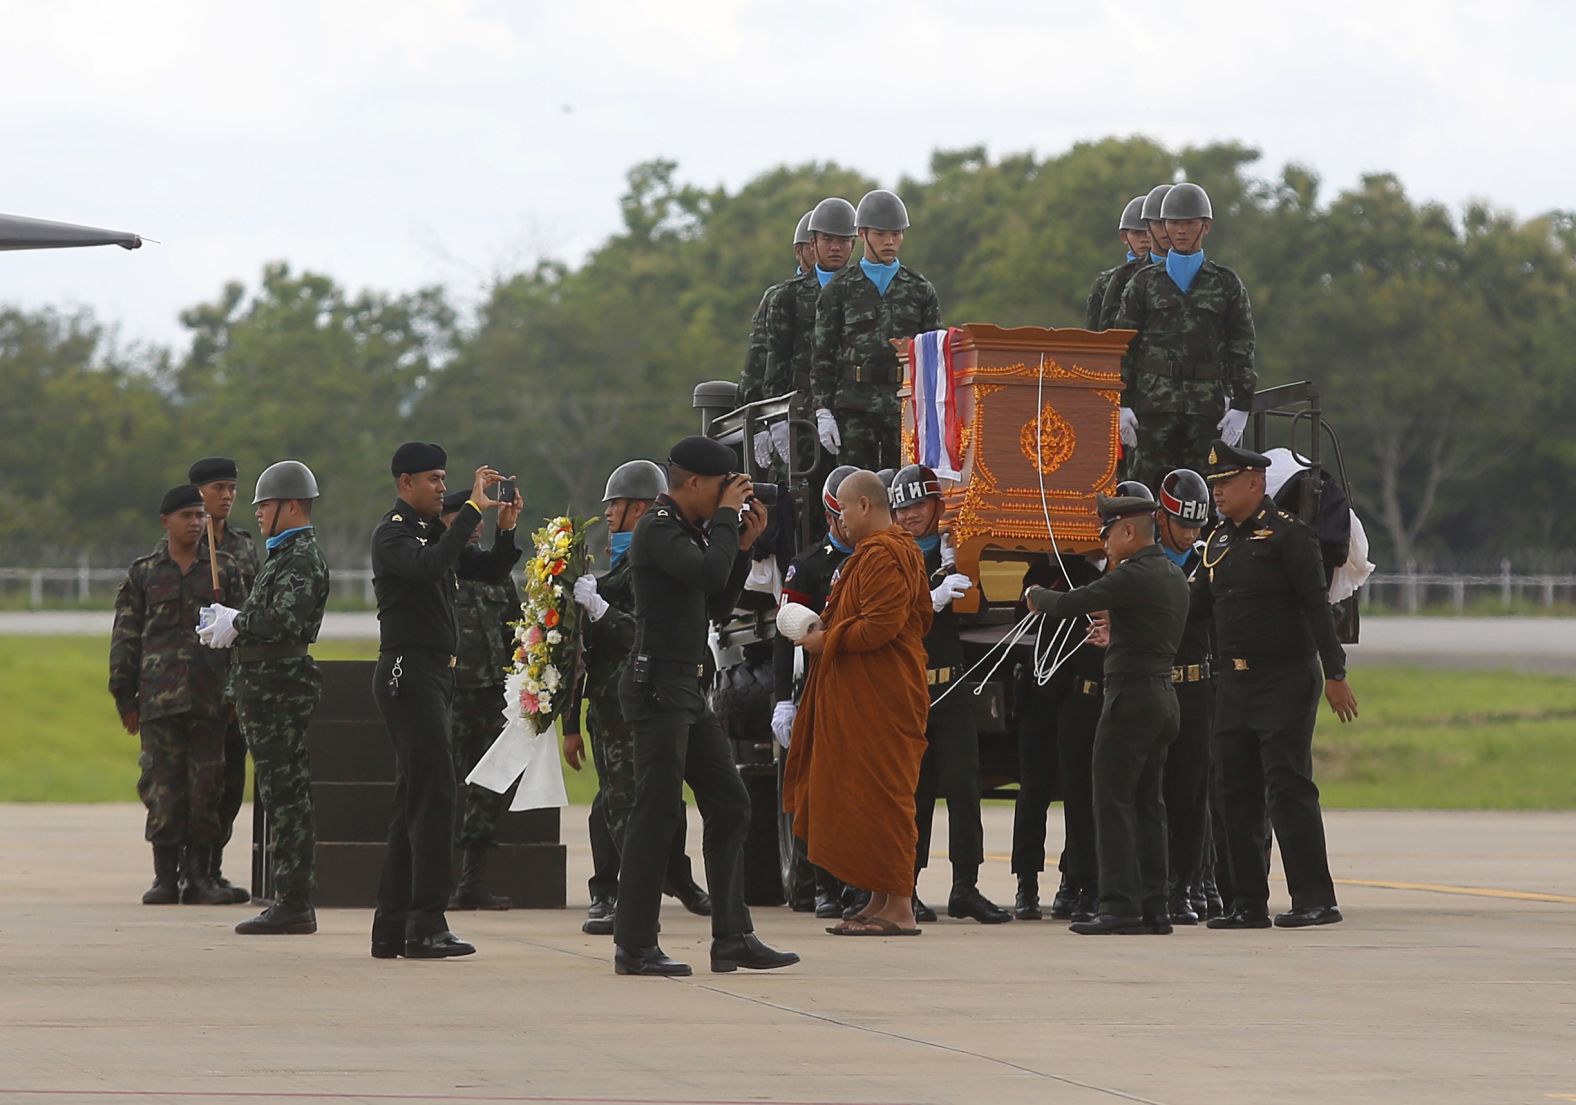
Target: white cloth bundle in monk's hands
[795,619]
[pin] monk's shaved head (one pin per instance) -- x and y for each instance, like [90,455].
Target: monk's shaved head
[866,508]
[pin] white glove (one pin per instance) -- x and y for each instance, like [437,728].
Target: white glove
[950,588]
[1232,425]
[220,631]
[763,447]
[780,438]
[1129,427]
[826,429]
[585,594]
[782,722]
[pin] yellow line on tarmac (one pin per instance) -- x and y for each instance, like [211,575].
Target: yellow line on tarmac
[1562,1096]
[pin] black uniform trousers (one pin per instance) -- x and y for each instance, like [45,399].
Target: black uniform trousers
[950,769]
[418,868]
[603,882]
[1264,739]
[1137,724]
[679,740]
[1187,781]
[1062,751]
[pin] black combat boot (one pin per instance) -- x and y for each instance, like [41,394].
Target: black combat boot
[1066,900]
[689,894]
[1087,906]
[1027,905]
[828,895]
[291,915]
[1181,907]
[1214,904]
[166,888]
[237,895]
[599,918]
[469,894]
[198,889]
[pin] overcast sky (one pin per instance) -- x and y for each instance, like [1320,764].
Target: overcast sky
[394,143]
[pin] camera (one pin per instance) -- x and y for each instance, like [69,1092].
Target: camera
[505,491]
[764,492]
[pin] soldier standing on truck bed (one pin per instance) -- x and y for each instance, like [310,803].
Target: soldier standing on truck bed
[855,372]
[753,383]
[1187,375]
[1134,233]
[1159,246]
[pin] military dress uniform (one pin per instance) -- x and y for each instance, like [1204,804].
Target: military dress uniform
[416,567]
[855,372]
[1263,584]
[1147,599]
[1191,358]
[159,670]
[277,687]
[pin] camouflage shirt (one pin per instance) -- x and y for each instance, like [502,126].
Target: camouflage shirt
[752,381]
[157,666]
[286,603]
[790,335]
[1189,345]
[1111,298]
[242,549]
[853,366]
[606,642]
[1096,298]
[484,613]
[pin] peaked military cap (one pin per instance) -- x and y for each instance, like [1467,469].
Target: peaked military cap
[455,499]
[179,498]
[1227,460]
[212,468]
[1113,508]
[418,456]
[703,457]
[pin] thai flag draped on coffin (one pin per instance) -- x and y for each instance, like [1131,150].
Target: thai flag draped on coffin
[938,433]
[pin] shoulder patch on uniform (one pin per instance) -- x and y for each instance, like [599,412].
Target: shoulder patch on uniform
[396,517]
[1288,517]
[793,570]
[661,512]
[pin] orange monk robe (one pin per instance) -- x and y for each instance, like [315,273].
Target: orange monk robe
[859,736]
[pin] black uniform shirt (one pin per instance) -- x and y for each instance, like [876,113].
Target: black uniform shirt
[1147,598]
[416,568]
[943,646]
[1194,648]
[683,578]
[1263,581]
[1087,663]
[807,582]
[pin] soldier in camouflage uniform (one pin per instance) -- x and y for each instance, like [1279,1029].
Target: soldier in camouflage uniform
[484,614]
[1188,374]
[277,685]
[609,634]
[215,479]
[754,381]
[1159,246]
[855,372]
[1134,233]
[170,689]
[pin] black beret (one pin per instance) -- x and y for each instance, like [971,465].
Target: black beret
[1113,509]
[1227,460]
[213,468]
[456,499]
[418,456]
[179,498]
[704,457]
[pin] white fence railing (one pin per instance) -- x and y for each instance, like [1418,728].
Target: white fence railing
[84,586]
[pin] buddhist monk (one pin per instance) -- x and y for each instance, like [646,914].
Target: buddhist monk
[859,737]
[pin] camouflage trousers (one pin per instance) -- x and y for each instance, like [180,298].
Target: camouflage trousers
[870,440]
[1169,440]
[275,700]
[477,721]
[182,778]
[234,780]
[613,753]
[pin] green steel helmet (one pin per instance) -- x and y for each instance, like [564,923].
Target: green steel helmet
[801,233]
[1186,201]
[881,210]
[1152,202]
[1133,215]
[834,480]
[1133,489]
[636,479]
[835,216]
[286,479]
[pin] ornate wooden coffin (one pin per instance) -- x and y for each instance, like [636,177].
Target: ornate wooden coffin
[1038,411]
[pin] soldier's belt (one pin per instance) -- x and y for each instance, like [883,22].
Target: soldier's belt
[1190,673]
[872,374]
[940,677]
[253,654]
[683,667]
[1208,371]
[1263,663]
[1087,686]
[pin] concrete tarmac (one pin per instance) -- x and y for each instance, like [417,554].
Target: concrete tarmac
[1453,980]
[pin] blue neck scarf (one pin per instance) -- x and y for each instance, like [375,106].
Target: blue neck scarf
[823,276]
[838,545]
[880,275]
[279,538]
[618,544]
[1131,256]
[1183,267]
[929,544]
[1177,558]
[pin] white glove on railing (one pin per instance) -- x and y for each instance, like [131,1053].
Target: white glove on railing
[826,429]
[1129,427]
[780,438]
[782,722]
[763,447]
[585,594]
[1232,425]
[217,630]
[950,588]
